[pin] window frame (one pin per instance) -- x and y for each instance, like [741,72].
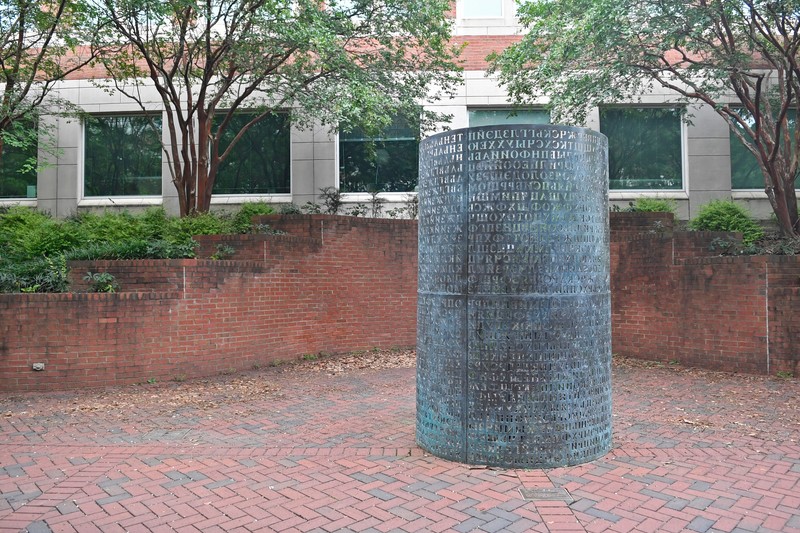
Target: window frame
[363,196]
[111,200]
[238,198]
[753,192]
[540,109]
[461,11]
[677,193]
[26,200]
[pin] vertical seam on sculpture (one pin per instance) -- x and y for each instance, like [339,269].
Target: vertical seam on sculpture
[766,307]
[465,262]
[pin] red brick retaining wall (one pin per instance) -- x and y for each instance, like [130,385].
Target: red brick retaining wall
[675,299]
[350,287]
[336,284]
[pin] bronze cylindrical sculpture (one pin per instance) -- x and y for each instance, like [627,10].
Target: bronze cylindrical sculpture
[514,312]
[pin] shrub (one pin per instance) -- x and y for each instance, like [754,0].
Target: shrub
[154,223]
[26,234]
[44,274]
[654,205]
[726,215]
[181,230]
[34,247]
[289,209]
[242,220]
[105,227]
[101,282]
[332,199]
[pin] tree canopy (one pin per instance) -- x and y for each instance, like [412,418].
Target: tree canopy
[740,58]
[41,43]
[354,62]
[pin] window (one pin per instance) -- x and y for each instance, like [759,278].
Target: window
[18,162]
[481,9]
[122,156]
[260,162]
[498,116]
[745,172]
[388,162]
[644,148]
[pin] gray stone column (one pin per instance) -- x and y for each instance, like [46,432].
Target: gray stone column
[514,312]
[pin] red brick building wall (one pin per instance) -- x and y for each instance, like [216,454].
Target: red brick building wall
[336,284]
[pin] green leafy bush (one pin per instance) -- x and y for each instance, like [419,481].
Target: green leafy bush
[101,282]
[34,247]
[26,234]
[242,220]
[289,209]
[726,215]
[654,205]
[105,227]
[181,230]
[46,274]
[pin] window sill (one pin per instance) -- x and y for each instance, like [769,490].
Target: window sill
[633,195]
[228,199]
[367,197]
[111,201]
[749,195]
[27,202]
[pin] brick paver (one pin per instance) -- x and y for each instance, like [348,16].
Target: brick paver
[293,450]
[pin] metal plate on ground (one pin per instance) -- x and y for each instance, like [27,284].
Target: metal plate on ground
[546,494]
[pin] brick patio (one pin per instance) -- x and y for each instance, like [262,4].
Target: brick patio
[293,448]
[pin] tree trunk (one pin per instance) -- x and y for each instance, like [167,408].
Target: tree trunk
[783,199]
[203,201]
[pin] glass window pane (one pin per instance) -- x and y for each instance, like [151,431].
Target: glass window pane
[260,162]
[18,164]
[644,148]
[122,156]
[745,172]
[494,117]
[477,9]
[388,162]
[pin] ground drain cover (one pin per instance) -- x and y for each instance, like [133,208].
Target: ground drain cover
[546,494]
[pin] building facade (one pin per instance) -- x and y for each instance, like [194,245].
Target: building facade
[111,158]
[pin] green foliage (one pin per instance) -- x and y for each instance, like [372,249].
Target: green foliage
[133,249]
[279,54]
[34,247]
[331,199]
[726,215]
[582,54]
[409,209]
[358,210]
[39,46]
[311,208]
[654,205]
[223,251]
[376,204]
[242,220]
[180,230]
[289,209]
[47,274]
[26,233]
[162,249]
[101,282]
